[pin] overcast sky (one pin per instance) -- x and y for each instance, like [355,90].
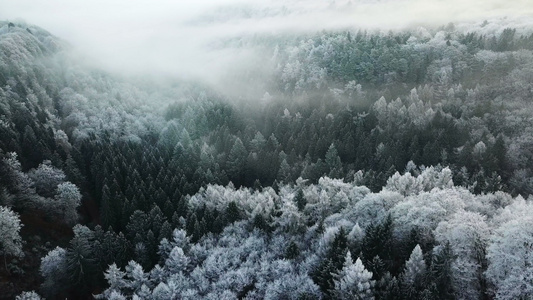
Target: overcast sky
[175,36]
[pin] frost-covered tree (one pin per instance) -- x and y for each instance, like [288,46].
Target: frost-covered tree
[68,198]
[19,183]
[176,261]
[46,178]
[467,234]
[423,212]
[52,269]
[291,219]
[179,239]
[353,281]
[28,296]
[414,273]
[137,279]
[115,279]
[10,240]
[292,286]
[510,256]
[428,179]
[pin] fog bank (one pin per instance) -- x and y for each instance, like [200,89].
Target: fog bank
[182,37]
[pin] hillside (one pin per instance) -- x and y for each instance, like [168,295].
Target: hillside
[351,163]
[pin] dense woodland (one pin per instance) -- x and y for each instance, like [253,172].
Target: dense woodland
[375,165]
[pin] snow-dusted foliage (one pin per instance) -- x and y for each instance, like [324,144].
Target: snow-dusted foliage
[427,180]
[467,234]
[52,267]
[28,296]
[414,272]
[353,281]
[68,198]
[510,256]
[282,259]
[410,150]
[415,267]
[10,240]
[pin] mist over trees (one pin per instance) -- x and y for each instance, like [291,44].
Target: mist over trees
[366,165]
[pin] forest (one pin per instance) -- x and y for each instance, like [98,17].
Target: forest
[356,164]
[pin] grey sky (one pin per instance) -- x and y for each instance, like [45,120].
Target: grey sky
[173,36]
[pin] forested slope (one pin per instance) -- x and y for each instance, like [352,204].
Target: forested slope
[379,165]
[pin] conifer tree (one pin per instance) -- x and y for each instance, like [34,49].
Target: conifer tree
[353,281]
[414,273]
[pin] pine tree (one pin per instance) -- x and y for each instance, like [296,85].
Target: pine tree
[236,162]
[353,281]
[441,271]
[176,261]
[292,251]
[333,162]
[232,212]
[378,242]
[260,222]
[332,263]
[81,261]
[108,215]
[116,281]
[284,172]
[387,288]
[300,200]
[414,273]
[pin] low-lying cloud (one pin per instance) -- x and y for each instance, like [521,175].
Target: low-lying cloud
[180,37]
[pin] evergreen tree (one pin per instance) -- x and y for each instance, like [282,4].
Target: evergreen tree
[236,161]
[441,271]
[81,261]
[378,242]
[292,251]
[414,273]
[232,212]
[333,162]
[176,261]
[108,215]
[300,200]
[323,275]
[353,281]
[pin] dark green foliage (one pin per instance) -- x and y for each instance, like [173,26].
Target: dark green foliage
[232,212]
[192,223]
[377,247]
[307,296]
[388,288]
[323,278]
[333,162]
[109,214]
[81,262]
[331,264]
[292,251]
[165,232]
[236,161]
[137,227]
[300,200]
[260,223]
[440,272]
